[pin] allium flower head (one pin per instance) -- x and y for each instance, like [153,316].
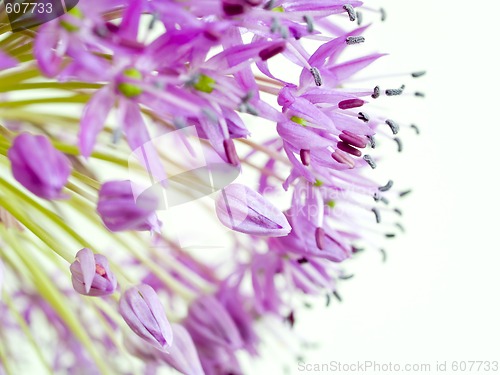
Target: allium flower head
[90,274]
[38,166]
[160,105]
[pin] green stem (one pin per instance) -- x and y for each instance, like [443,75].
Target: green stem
[24,327]
[56,299]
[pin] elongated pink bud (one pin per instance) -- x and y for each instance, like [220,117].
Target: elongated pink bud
[142,310]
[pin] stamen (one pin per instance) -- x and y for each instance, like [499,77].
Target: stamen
[269,5]
[354,39]
[352,139]
[272,51]
[400,226]
[384,255]
[386,186]
[305,157]
[356,249]
[403,193]
[418,74]
[419,94]
[316,75]
[363,117]
[359,17]
[377,214]
[319,235]
[399,143]
[371,138]
[230,151]
[340,157]
[348,148]
[383,14]
[376,92]
[394,127]
[351,103]
[337,295]
[395,92]
[369,160]
[346,277]
[302,260]
[384,200]
[390,235]
[310,23]
[417,130]
[350,11]
[231,9]
[398,211]
[328,300]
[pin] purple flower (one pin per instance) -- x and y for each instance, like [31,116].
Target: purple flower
[142,310]
[120,210]
[90,274]
[242,209]
[38,166]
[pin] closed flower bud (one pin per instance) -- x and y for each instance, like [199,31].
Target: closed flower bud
[90,274]
[142,310]
[244,210]
[38,166]
[120,210]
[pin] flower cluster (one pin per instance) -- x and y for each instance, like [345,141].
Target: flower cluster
[83,250]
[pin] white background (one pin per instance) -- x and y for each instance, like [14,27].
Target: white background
[437,297]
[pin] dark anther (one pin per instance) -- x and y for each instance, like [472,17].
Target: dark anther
[384,200]
[348,148]
[404,193]
[370,161]
[363,116]
[356,249]
[384,255]
[302,260]
[359,17]
[316,75]
[400,226]
[291,319]
[346,277]
[394,127]
[390,235]
[386,186]
[377,215]
[399,143]
[354,39]
[350,11]
[415,127]
[269,5]
[337,295]
[383,14]
[419,94]
[418,74]
[398,211]
[310,24]
[328,300]
[394,92]
[376,92]
[372,141]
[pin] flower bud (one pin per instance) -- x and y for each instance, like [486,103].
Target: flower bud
[244,210]
[120,210]
[38,166]
[90,274]
[142,310]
